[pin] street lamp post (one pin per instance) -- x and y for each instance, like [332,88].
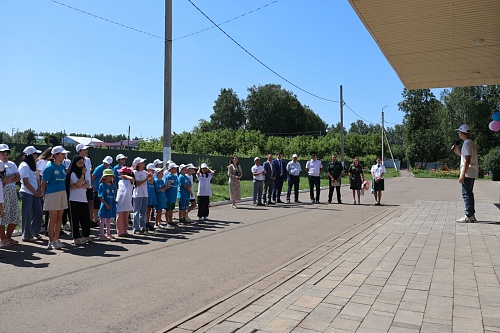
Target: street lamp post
[382,157]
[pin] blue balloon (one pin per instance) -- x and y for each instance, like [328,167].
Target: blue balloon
[496,116]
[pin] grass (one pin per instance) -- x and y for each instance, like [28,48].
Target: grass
[449,174]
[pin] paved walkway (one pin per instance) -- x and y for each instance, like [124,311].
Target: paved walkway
[410,268]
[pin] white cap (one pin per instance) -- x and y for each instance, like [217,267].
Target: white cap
[2,166]
[31,150]
[157,171]
[191,166]
[157,161]
[256,158]
[204,165]
[464,129]
[120,156]
[172,165]
[138,160]
[81,146]
[150,166]
[4,147]
[182,166]
[108,160]
[295,155]
[58,149]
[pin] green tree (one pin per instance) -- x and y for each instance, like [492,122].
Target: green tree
[228,111]
[27,137]
[5,137]
[424,140]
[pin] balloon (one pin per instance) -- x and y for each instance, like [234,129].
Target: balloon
[496,116]
[495,126]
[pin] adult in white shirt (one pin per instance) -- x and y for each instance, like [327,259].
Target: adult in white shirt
[378,172]
[469,171]
[293,170]
[31,196]
[313,169]
[10,206]
[258,179]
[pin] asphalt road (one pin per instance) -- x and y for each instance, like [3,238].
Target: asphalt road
[147,282]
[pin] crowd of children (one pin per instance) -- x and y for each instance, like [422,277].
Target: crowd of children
[60,185]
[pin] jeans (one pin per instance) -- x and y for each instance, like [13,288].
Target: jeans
[140,205]
[468,196]
[257,191]
[314,181]
[32,214]
[293,181]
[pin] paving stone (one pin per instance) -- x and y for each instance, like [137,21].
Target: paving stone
[225,327]
[435,328]
[467,312]
[308,301]
[281,325]
[465,325]
[412,306]
[355,309]
[346,324]
[408,317]
[376,322]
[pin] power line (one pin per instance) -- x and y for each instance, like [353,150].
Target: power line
[258,60]
[371,122]
[234,18]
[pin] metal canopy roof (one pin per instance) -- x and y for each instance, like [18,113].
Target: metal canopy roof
[436,43]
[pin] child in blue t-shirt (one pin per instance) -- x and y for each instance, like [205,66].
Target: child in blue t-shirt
[107,211]
[184,194]
[161,197]
[150,168]
[172,183]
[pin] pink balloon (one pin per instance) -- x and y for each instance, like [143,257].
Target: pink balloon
[495,126]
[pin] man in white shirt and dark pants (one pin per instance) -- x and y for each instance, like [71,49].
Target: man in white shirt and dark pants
[378,172]
[258,178]
[293,169]
[469,171]
[313,169]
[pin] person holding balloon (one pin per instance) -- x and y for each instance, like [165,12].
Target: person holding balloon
[469,171]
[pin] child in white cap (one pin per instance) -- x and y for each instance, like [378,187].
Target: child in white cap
[204,176]
[172,183]
[140,195]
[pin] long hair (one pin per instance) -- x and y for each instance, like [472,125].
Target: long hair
[231,161]
[30,160]
[73,168]
[47,153]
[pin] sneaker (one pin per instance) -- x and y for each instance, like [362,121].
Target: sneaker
[103,238]
[78,241]
[29,240]
[51,246]
[298,201]
[312,201]
[200,218]
[94,224]
[67,227]
[473,218]
[466,219]
[205,218]
[57,244]
[87,240]
[170,226]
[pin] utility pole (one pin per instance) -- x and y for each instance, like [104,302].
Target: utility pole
[382,157]
[167,88]
[341,127]
[128,138]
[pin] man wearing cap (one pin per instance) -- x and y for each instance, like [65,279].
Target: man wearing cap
[334,170]
[120,159]
[82,150]
[268,180]
[279,175]
[293,169]
[313,169]
[258,178]
[469,171]
[96,178]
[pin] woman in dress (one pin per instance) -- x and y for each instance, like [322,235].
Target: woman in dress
[234,172]
[12,216]
[356,179]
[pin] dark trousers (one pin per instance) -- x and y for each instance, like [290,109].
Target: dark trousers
[293,181]
[330,192]
[278,186]
[203,205]
[268,188]
[80,218]
[314,181]
[468,195]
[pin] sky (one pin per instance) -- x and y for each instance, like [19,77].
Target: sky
[64,70]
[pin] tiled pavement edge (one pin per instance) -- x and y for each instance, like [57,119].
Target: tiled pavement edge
[408,269]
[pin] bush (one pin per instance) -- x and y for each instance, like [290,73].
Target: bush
[491,162]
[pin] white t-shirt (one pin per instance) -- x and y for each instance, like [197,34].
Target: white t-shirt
[77,194]
[256,169]
[469,148]
[10,169]
[40,165]
[293,168]
[140,191]
[124,196]
[314,167]
[191,196]
[26,172]
[88,165]
[204,188]
[377,170]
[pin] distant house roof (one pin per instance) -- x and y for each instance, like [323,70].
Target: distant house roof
[119,144]
[74,140]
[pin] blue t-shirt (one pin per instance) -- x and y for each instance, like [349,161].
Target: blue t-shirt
[108,193]
[171,192]
[117,174]
[161,197]
[184,193]
[98,175]
[55,176]
[151,194]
